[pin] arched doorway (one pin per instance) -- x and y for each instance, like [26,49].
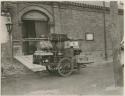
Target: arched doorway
[35,23]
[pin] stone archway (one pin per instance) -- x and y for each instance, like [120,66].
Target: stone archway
[36,14]
[30,8]
[40,9]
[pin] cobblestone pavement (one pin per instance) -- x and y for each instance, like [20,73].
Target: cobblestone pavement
[93,80]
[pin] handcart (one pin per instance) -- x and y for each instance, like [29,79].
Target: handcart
[59,54]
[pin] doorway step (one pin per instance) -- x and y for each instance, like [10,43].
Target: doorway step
[27,61]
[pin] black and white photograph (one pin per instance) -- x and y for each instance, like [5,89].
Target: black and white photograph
[62,48]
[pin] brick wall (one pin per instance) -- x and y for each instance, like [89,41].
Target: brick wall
[77,22]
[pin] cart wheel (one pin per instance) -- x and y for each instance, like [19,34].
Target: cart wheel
[50,69]
[65,67]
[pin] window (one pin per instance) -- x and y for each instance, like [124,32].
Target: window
[89,36]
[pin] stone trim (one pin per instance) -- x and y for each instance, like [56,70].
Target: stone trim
[91,8]
[82,6]
[66,4]
[37,8]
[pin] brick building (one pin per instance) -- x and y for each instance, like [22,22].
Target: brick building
[76,19]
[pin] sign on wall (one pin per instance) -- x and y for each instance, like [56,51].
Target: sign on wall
[89,36]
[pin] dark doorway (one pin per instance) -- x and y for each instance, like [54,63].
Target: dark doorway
[29,32]
[33,29]
[41,28]
[29,26]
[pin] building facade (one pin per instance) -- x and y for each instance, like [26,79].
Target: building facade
[77,20]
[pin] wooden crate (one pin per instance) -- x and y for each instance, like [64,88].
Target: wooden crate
[85,59]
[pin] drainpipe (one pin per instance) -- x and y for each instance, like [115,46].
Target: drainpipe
[105,42]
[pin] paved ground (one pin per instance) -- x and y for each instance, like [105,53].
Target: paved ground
[95,80]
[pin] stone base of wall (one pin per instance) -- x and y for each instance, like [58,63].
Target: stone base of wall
[17,49]
[98,55]
[5,50]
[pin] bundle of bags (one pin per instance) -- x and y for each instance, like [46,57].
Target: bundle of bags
[44,45]
[73,44]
